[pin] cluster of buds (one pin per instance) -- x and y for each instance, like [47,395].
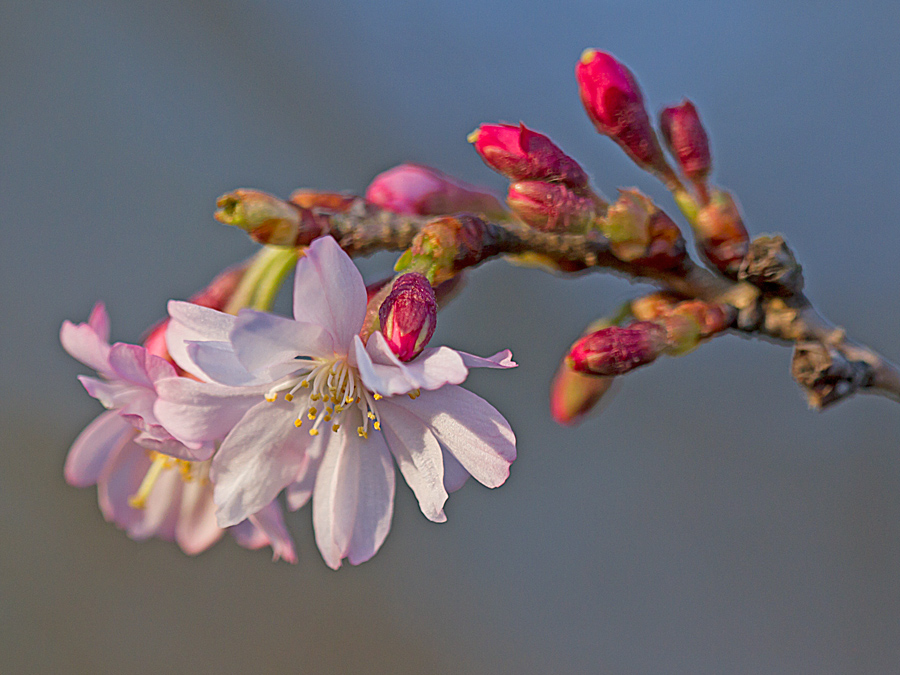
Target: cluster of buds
[549,190]
[640,232]
[420,190]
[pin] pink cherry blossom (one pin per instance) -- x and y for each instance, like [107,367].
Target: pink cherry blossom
[148,483]
[316,410]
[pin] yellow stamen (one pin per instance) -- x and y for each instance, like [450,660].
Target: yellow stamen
[370,415]
[298,422]
[312,413]
[305,384]
[378,397]
[139,499]
[335,427]
[315,397]
[313,432]
[271,399]
[362,432]
[377,425]
[288,397]
[327,418]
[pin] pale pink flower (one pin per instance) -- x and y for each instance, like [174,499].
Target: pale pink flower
[148,483]
[316,410]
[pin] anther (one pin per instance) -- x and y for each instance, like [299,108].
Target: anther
[313,432]
[314,397]
[271,397]
[378,397]
[370,415]
[288,397]
[335,427]
[298,422]
[377,425]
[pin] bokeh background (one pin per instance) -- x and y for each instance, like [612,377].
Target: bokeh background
[705,522]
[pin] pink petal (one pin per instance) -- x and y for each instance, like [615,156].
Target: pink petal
[262,340]
[262,454]
[299,492]
[218,363]
[499,360]
[196,452]
[353,499]
[271,521]
[248,535]
[418,456]
[191,323]
[119,480]
[99,321]
[194,412]
[468,427]
[136,365]
[159,517]
[197,529]
[329,291]
[83,342]
[93,447]
[112,394]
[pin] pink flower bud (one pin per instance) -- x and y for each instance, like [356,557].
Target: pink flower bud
[420,190]
[519,153]
[408,315]
[616,350]
[551,207]
[614,103]
[686,139]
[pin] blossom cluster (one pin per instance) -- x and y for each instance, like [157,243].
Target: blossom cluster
[204,432]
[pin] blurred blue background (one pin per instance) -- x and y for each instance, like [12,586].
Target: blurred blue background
[706,522]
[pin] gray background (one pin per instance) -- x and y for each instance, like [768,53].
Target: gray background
[706,522]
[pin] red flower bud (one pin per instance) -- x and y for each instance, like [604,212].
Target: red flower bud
[519,153]
[551,207]
[686,139]
[615,350]
[421,190]
[408,315]
[614,103]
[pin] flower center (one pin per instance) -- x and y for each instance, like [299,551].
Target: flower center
[329,391]
[190,471]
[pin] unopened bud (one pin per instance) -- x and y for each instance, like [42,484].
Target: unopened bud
[574,394]
[616,350]
[519,153]
[627,224]
[552,207]
[264,217]
[686,139]
[336,202]
[722,236]
[420,190]
[614,103]
[408,315]
[448,244]
[667,248]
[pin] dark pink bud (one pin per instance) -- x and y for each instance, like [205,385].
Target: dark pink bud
[615,350]
[408,315]
[421,190]
[614,103]
[551,207]
[686,139]
[519,153]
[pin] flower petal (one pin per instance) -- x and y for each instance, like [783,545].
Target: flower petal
[262,340]
[499,360]
[159,517]
[329,291]
[470,428]
[197,529]
[192,323]
[120,479]
[299,492]
[271,521]
[418,456]
[455,476]
[353,500]
[432,369]
[93,447]
[218,363]
[262,454]
[89,342]
[136,365]
[194,412]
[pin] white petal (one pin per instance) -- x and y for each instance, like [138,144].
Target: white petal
[194,412]
[94,446]
[262,454]
[82,342]
[499,360]
[418,456]
[353,500]
[299,492]
[470,428]
[218,363]
[193,323]
[329,291]
[262,340]
[135,364]
[432,369]
[455,476]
